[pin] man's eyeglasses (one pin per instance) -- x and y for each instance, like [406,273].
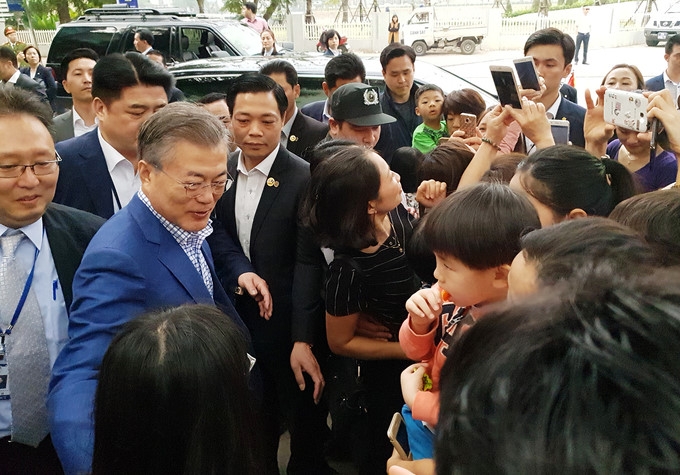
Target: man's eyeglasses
[195,190]
[38,168]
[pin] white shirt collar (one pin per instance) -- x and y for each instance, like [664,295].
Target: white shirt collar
[326,109]
[666,78]
[289,125]
[553,108]
[33,232]
[113,157]
[146,51]
[15,77]
[77,119]
[263,167]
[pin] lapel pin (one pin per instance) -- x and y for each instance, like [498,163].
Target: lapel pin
[276,184]
[293,138]
[271,181]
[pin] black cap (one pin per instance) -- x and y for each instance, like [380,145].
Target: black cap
[358,104]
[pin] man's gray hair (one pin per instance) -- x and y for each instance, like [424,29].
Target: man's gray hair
[176,122]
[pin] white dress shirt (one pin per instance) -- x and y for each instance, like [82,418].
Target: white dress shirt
[79,126]
[672,87]
[48,292]
[249,187]
[125,180]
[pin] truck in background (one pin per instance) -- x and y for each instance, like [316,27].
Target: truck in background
[424,31]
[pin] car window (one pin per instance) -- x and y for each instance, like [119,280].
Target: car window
[242,37]
[69,38]
[310,90]
[161,38]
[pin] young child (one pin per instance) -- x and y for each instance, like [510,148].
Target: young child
[429,100]
[474,234]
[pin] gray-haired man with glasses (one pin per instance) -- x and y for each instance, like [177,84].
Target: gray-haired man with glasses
[149,255]
[41,245]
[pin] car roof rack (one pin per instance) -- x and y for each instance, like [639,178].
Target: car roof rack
[122,10]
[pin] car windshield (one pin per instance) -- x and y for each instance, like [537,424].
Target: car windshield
[242,37]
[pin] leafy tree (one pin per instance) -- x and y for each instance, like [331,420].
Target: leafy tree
[47,12]
[265,9]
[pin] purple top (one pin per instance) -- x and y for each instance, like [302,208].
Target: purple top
[659,172]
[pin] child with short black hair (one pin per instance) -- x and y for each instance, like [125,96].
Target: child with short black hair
[474,234]
[429,101]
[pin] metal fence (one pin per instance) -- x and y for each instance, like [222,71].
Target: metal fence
[525,27]
[43,37]
[359,31]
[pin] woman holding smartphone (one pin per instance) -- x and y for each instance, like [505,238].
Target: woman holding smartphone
[353,206]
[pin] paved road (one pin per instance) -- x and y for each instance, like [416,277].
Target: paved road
[476,66]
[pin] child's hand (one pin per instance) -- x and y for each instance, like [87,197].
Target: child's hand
[412,382]
[424,307]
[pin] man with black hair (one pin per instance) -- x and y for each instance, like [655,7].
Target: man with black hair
[175,94]
[340,70]
[42,245]
[670,78]
[260,211]
[257,23]
[398,99]
[99,171]
[299,133]
[76,69]
[143,41]
[10,76]
[553,51]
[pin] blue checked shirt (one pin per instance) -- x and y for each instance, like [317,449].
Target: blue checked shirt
[189,242]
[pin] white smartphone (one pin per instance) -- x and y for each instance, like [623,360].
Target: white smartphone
[626,109]
[506,86]
[398,437]
[526,71]
[560,131]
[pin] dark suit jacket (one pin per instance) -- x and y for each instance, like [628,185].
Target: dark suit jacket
[272,247]
[305,134]
[62,128]
[575,114]
[69,232]
[25,82]
[44,77]
[133,265]
[315,110]
[656,83]
[84,179]
[569,93]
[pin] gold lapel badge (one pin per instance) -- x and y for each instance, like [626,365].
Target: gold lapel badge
[293,138]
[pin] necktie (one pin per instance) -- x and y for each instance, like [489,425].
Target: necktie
[27,357]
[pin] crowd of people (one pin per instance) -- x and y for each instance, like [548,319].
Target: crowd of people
[184,282]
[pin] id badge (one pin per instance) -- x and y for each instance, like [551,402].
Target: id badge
[4,380]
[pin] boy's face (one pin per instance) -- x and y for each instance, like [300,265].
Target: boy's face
[430,106]
[467,286]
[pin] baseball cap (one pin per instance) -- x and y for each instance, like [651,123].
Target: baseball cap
[9,30]
[358,104]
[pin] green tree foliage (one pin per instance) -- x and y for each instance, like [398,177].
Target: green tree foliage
[45,13]
[265,9]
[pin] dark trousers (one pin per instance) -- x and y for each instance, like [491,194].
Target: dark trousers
[20,459]
[582,38]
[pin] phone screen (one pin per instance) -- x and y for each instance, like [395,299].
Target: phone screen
[506,89]
[527,75]
[402,438]
[560,134]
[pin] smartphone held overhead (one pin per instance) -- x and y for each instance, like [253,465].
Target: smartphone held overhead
[506,86]
[528,76]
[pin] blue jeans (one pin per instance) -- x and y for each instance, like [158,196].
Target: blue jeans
[420,438]
[582,38]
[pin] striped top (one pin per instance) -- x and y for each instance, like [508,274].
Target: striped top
[377,283]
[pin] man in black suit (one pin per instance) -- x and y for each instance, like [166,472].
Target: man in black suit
[670,78]
[99,171]
[12,77]
[76,69]
[340,70]
[260,211]
[300,133]
[53,240]
[553,52]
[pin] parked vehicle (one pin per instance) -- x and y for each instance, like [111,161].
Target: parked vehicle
[198,78]
[321,44]
[423,31]
[662,26]
[180,36]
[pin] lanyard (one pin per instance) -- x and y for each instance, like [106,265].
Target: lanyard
[22,300]
[115,195]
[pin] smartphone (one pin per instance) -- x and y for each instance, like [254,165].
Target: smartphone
[526,71]
[468,124]
[626,109]
[560,131]
[506,86]
[398,436]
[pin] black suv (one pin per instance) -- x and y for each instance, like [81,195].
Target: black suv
[182,37]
